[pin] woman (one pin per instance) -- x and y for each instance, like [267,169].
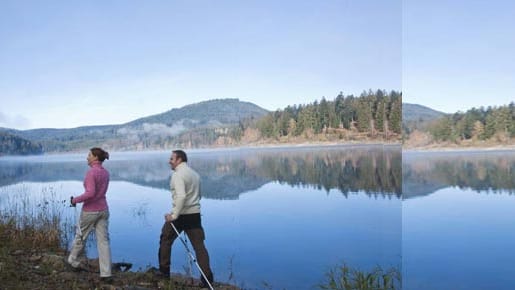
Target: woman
[94,214]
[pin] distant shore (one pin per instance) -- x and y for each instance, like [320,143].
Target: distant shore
[281,145]
[308,144]
[278,145]
[459,148]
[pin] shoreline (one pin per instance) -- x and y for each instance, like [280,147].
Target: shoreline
[23,266]
[224,148]
[303,145]
[458,149]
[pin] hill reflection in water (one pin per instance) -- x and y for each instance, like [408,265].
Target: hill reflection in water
[374,170]
[485,171]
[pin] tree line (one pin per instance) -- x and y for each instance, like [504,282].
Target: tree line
[11,144]
[492,123]
[373,114]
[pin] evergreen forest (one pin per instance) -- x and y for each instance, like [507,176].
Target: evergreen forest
[493,123]
[372,115]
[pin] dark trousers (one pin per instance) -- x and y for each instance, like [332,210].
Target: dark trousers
[191,224]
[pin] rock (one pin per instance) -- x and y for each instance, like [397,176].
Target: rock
[93,265]
[17,253]
[67,276]
[54,261]
[35,258]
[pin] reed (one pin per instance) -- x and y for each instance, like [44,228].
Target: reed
[34,222]
[346,278]
[35,230]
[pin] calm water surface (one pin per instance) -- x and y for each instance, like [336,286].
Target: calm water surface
[274,218]
[458,217]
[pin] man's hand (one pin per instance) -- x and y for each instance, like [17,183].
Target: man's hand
[170,217]
[72,204]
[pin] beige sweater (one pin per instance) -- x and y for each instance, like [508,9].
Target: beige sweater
[185,187]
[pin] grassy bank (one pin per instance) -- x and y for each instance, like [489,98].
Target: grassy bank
[33,241]
[34,235]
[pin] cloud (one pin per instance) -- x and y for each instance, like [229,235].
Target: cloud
[17,122]
[154,130]
[162,129]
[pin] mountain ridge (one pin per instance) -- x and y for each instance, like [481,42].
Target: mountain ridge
[228,122]
[151,132]
[418,117]
[229,110]
[415,112]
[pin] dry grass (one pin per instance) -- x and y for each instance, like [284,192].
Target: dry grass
[34,235]
[35,224]
[346,278]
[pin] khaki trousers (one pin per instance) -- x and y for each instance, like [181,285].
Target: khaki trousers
[99,221]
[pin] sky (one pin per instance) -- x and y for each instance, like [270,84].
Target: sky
[458,54]
[66,64]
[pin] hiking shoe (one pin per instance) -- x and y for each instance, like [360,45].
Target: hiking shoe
[162,275]
[69,267]
[107,280]
[204,284]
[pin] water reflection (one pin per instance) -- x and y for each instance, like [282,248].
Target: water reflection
[283,216]
[375,170]
[461,223]
[425,173]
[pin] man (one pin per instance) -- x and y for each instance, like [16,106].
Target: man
[185,187]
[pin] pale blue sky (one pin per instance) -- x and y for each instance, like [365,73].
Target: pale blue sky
[75,63]
[458,54]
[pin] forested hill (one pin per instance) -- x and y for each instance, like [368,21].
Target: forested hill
[417,117]
[413,113]
[190,126]
[12,144]
[482,126]
[374,116]
[214,112]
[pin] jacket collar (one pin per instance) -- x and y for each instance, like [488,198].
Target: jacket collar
[96,163]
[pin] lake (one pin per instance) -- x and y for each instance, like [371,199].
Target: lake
[275,218]
[458,217]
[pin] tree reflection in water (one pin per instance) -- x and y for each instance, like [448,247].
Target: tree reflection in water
[424,173]
[374,170]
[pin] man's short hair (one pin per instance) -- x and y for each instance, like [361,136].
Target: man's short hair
[181,154]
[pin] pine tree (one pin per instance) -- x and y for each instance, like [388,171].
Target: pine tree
[479,131]
[395,114]
[489,126]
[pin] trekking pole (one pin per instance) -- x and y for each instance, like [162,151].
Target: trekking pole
[192,257]
[77,217]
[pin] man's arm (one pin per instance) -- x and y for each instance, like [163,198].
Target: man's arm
[179,197]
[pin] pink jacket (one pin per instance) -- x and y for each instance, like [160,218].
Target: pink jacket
[95,185]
